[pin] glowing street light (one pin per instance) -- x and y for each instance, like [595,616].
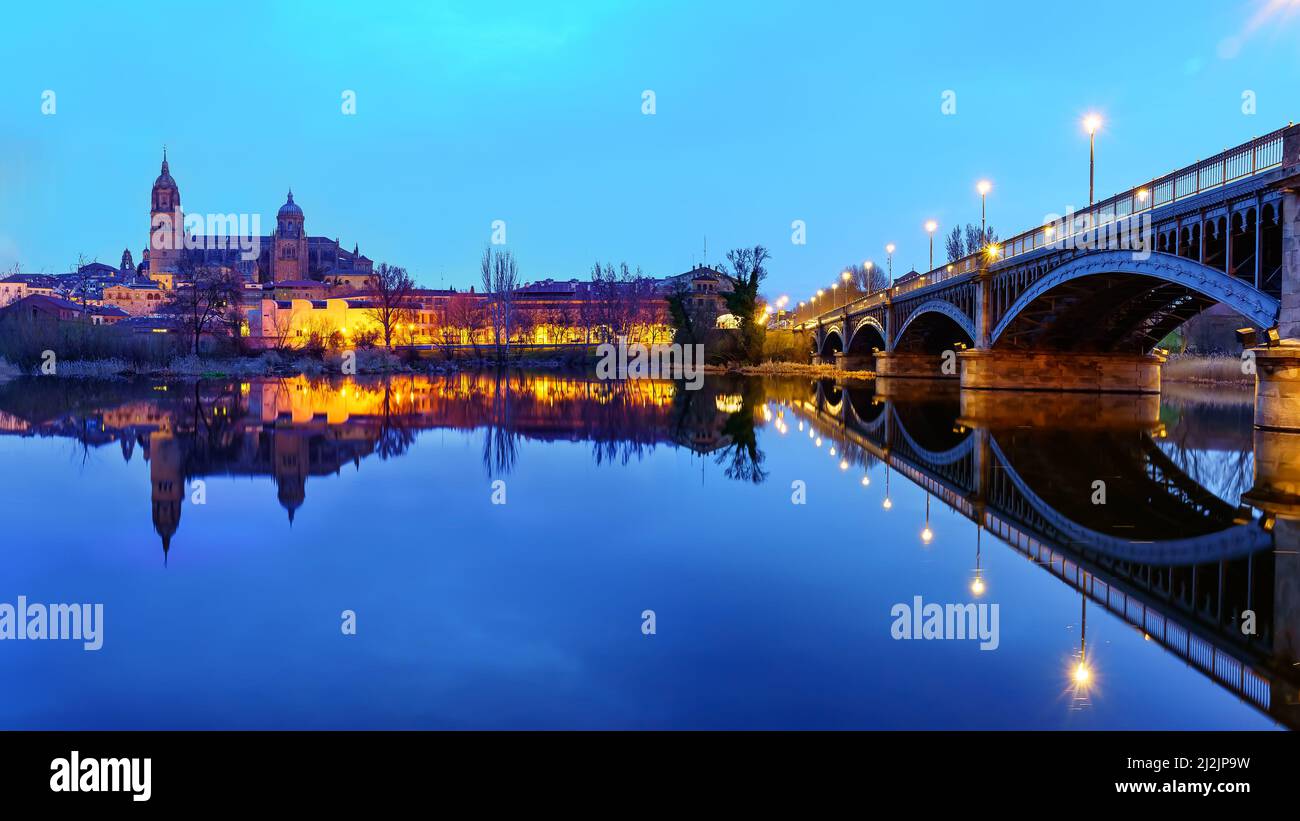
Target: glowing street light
[889,258]
[983,186]
[930,227]
[1092,122]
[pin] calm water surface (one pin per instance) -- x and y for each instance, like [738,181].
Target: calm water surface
[376,496]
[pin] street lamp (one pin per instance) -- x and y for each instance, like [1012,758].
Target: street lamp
[930,227]
[1092,122]
[868,266]
[889,256]
[983,186]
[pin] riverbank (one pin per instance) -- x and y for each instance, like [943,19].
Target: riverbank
[1207,370]
[1186,370]
[792,369]
[370,362]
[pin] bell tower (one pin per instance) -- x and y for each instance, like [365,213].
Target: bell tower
[166,222]
[289,249]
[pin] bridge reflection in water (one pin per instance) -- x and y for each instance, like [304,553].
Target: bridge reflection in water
[1159,550]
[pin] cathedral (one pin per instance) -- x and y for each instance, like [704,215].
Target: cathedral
[288,255]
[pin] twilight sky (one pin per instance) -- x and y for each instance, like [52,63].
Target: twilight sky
[531,113]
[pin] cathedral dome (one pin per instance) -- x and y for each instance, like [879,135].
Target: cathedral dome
[290,208]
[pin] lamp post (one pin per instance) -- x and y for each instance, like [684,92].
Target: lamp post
[1092,122]
[983,186]
[847,276]
[889,258]
[868,266]
[930,227]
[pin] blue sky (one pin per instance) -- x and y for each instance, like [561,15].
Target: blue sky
[531,113]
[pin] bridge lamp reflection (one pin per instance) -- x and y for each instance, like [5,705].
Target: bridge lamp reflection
[887,504]
[977,586]
[866,481]
[844,464]
[927,535]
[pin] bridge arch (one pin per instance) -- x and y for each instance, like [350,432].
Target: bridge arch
[832,342]
[868,335]
[1112,301]
[934,326]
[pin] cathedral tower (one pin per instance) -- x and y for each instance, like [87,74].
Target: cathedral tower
[289,248]
[166,222]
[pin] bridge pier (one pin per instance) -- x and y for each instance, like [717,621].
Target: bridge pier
[853,361]
[1276,493]
[1277,387]
[1076,372]
[907,365]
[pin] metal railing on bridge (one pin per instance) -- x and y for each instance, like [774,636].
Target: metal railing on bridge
[1257,156]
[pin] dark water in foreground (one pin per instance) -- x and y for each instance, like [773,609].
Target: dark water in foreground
[226,527]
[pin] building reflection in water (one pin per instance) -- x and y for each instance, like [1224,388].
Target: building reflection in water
[296,428]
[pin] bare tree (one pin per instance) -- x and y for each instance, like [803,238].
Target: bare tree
[81,283]
[500,276]
[207,304]
[867,281]
[392,300]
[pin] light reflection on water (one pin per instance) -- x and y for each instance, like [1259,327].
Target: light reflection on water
[375,495]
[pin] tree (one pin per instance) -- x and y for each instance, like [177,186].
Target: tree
[748,270]
[393,305]
[81,283]
[500,276]
[209,302]
[867,282]
[956,245]
[681,314]
[976,239]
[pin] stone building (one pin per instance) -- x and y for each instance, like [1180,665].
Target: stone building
[288,254]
